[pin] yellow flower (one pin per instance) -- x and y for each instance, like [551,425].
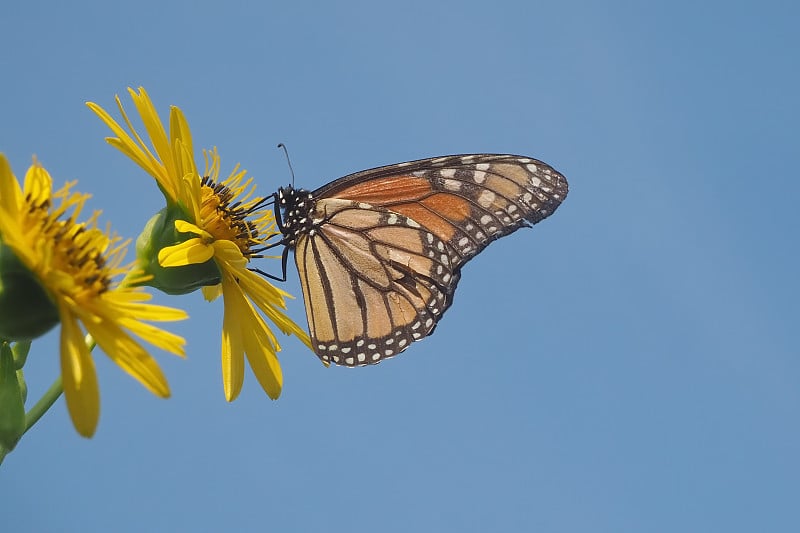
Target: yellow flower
[75,263]
[226,223]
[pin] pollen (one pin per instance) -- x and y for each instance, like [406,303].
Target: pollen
[74,257]
[228,212]
[79,253]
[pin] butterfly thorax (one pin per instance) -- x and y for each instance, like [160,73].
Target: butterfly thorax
[295,206]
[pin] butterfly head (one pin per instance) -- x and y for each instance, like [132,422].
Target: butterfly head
[295,206]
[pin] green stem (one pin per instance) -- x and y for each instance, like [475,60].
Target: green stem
[44,403]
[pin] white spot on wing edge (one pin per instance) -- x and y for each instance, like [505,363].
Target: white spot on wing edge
[486,198]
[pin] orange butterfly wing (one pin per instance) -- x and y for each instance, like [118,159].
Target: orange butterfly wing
[383,259]
[373,282]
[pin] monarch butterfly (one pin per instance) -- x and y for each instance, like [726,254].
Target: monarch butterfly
[380,252]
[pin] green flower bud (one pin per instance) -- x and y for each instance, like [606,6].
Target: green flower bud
[26,310]
[12,403]
[23,386]
[160,232]
[20,351]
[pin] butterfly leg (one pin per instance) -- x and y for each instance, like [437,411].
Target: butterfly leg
[284,259]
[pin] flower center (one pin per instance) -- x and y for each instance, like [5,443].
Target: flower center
[227,219]
[70,253]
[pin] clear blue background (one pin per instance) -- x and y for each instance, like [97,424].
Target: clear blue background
[630,364]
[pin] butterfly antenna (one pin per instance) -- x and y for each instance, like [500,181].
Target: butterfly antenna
[285,151]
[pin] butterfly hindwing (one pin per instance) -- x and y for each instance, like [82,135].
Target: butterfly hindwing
[373,281]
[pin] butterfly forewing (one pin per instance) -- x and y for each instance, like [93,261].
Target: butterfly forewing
[379,252]
[466,201]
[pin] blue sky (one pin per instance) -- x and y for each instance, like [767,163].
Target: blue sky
[630,364]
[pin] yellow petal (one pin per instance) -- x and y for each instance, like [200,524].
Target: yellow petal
[155,129]
[179,129]
[259,343]
[133,148]
[212,292]
[228,252]
[38,184]
[10,193]
[165,340]
[152,312]
[191,252]
[232,350]
[78,378]
[184,226]
[269,299]
[129,355]
[261,357]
